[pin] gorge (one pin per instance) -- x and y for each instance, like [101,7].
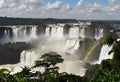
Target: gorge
[79,44]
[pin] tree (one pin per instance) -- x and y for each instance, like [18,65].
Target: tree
[22,76]
[49,60]
[109,40]
[3,75]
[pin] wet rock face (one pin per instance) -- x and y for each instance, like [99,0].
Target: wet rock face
[85,47]
[94,55]
[10,52]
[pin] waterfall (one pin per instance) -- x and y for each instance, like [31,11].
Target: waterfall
[54,40]
[54,32]
[33,34]
[72,45]
[16,33]
[82,32]
[62,47]
[60,32]
[104,54]
[28,58]
[19,34]
[98,33]
[57,32]
[74,32]
[6,35]
[28,33]
[48,32]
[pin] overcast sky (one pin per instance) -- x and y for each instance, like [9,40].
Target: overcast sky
[75,9]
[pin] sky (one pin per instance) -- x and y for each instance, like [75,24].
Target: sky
[67,9]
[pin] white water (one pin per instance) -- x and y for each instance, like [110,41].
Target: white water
[20,34]
[82,32]
[98,33]
[56,32]
[55,41]
[104,54]
[66,48]
[74,32]
[7,35]
[28,58]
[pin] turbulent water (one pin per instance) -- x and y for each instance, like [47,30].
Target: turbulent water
[74,44]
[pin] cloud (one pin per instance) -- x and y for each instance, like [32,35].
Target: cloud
[31,2]
[8,3]
[59,9]
[2,4]
[22,7]
[51,6]
[111,2]
[95,8]
[66,8]
[80,3]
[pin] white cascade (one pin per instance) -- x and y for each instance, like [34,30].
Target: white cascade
[98,33]
[72,45]
[82,32]
[6,36]
[48,33]
[104,54]
[56,42]
[54,32]
[20,33]
[59,33]
[74,32]
[33,34]
[71,61]
[28,58]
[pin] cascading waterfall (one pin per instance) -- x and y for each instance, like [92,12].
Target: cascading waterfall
[28,58]
[55,41]
[7,35]
[19,34]
[82,32]
[98,33]
[33,34]
[71,59]
[27,33]
[74,32]
[55,32]
[104,54]
[72,45]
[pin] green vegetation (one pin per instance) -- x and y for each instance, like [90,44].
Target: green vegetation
[49,60]
[109,70]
